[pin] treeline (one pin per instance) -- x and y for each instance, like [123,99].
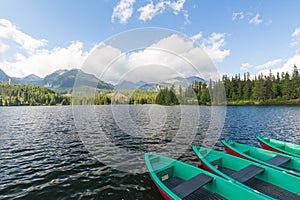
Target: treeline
[269,89]
[281,88]
[107,97]
[23,95]
[167,96]
[197,93]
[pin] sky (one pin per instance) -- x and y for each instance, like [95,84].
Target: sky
[39,37]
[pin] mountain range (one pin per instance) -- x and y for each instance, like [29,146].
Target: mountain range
[62,81]
[141,85]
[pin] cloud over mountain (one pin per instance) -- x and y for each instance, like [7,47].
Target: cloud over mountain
[171,56]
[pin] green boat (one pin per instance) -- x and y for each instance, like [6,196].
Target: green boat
[259,177]
[178,180]
[279,161]
[279,146]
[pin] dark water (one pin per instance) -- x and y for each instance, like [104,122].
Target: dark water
[42,155]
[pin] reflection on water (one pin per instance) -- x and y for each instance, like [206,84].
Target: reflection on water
[42,156]
[119,135]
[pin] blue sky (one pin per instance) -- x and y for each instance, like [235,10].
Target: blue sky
[42,36]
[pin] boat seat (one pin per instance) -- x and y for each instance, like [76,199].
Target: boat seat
[191,185]
[278,160]
[213,159]
[247,173]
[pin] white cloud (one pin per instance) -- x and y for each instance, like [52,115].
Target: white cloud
[3,48]
[245,66]
[286,67]
[176,6]
[150,10]
[296,37]
[269,64]
[239,15]
[213,46]
[169,57]
[295,42]
[32,58]
[8,31]
[296,33]
[100,59]
[44,62]
[186,17]
[197,36]
[256,19]
[123,11]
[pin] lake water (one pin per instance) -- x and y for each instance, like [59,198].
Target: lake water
[96,152]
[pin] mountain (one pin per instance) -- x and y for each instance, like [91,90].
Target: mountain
[30,79]
[141,85]
[184,82]
[3,76]
[61,81]
[52,77]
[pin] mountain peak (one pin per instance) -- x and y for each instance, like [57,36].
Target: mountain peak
[3,76]
[142,85]
[32,77]
[60,71]
[61,81]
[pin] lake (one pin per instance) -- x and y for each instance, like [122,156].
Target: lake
[96,152]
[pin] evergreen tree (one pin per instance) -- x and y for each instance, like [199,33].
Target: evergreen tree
[167,97]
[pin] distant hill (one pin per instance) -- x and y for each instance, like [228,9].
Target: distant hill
[141,85]
[184,82]
[61,81]
[3,76]
[30,79]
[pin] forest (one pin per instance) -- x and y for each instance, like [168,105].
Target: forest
[29,95]
[261,90]
[271,89]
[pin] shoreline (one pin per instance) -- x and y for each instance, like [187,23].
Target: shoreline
[271,102]
[236,103]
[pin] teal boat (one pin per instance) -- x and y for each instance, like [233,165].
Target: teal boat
[259,177]
[178,180]
[279,161]
[279,146]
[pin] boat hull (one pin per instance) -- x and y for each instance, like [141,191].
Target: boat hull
[279,146]
[214,187]
[250,174]
[288,164]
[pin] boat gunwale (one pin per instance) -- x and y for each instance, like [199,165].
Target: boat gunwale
[267,170]
[275,148]
[248,157]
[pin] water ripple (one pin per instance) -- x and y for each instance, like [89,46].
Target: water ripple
[42,157]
